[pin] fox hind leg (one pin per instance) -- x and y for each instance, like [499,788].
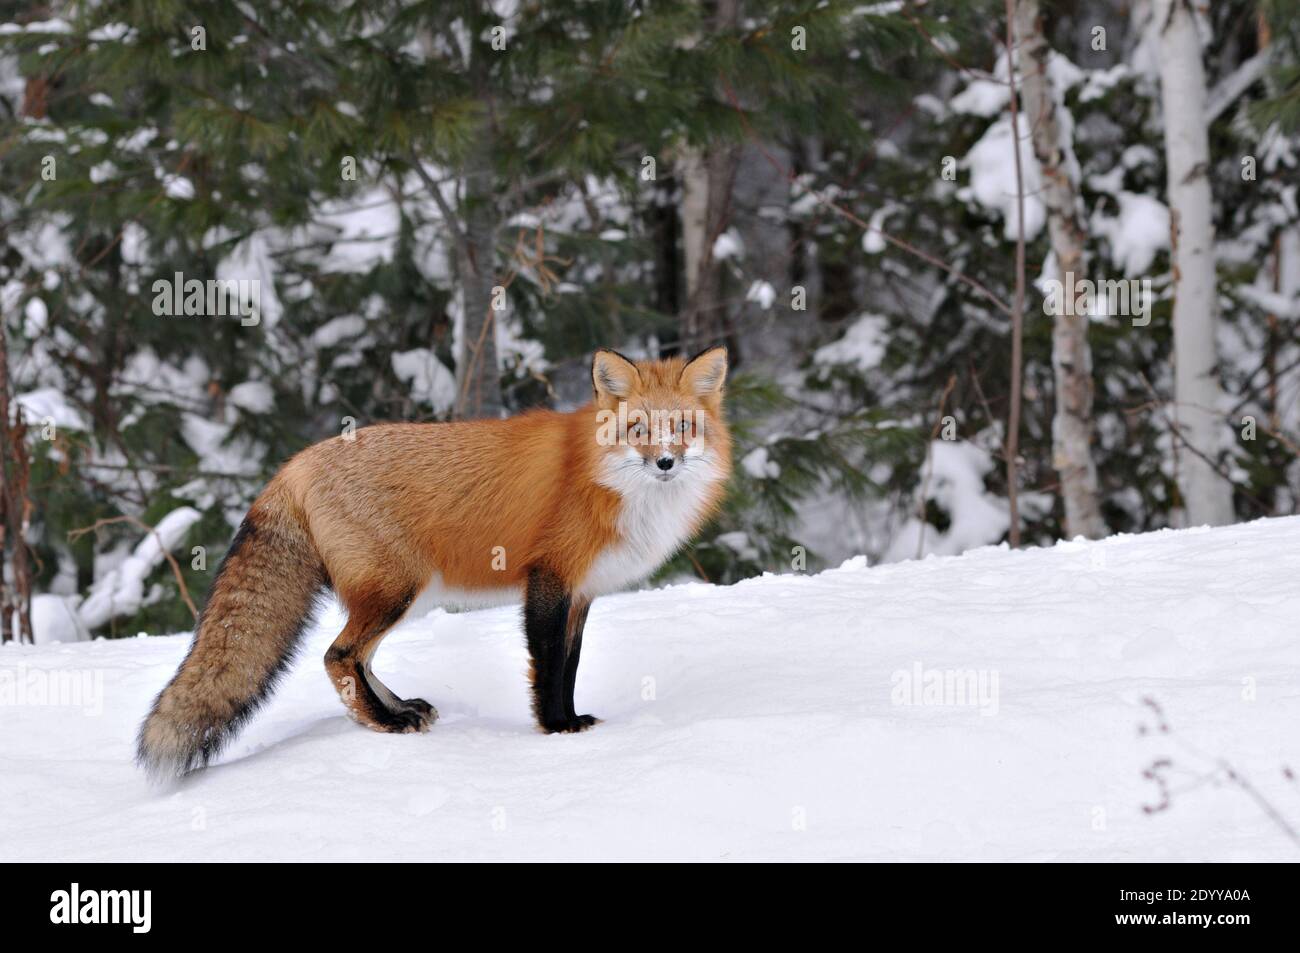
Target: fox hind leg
[368,700]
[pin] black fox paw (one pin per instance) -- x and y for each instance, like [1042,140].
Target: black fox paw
[411,715]
[570,725]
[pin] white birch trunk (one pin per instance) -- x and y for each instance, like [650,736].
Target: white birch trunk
[1206,494]
[1072,424]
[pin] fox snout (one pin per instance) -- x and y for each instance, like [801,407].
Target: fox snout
[667,466]
[666,459]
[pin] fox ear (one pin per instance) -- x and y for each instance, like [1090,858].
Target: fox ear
[705,373]
[613,375]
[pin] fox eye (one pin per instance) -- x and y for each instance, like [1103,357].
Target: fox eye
[638,431]
[684,427]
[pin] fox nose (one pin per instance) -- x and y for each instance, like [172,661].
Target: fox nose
[665,463]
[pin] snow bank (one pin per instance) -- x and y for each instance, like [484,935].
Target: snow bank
[982,707]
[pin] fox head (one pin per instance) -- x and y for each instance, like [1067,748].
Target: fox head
[661,421]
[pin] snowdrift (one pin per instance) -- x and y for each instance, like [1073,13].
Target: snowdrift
[1136,698]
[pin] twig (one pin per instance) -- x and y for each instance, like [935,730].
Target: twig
[1221,765]
[698,568]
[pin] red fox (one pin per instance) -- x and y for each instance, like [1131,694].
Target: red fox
[548,508]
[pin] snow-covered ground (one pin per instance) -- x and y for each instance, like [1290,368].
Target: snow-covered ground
[766,720]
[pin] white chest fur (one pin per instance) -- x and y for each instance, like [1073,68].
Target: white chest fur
[655,520]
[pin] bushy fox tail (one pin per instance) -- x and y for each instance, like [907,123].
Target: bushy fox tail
[261,600]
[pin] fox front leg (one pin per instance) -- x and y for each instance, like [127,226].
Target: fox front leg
[577,621]
[551,614]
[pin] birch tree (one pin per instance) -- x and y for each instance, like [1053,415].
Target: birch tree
[1072,424]
[1207,496]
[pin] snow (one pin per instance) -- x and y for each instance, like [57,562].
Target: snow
[765,720]
[35,317]
[762,293]
[759,465]
[988,98]
[515,349]
[55,619]
[44,246]
[217,450]
[993,176]
[985,97]
[1136,234]
[178,187]
[48,404]
[251,261]
[134,244]
[366,231]
[429,380]
[728,245]
[122,591]
[1281,305]
[255,397]
[112,32]
[873,242]
[739,542]
[982,97]
[137,140]
[1276,149]
[863,344]
[1097,83]
[36,26]
[956,485]
[332,333]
